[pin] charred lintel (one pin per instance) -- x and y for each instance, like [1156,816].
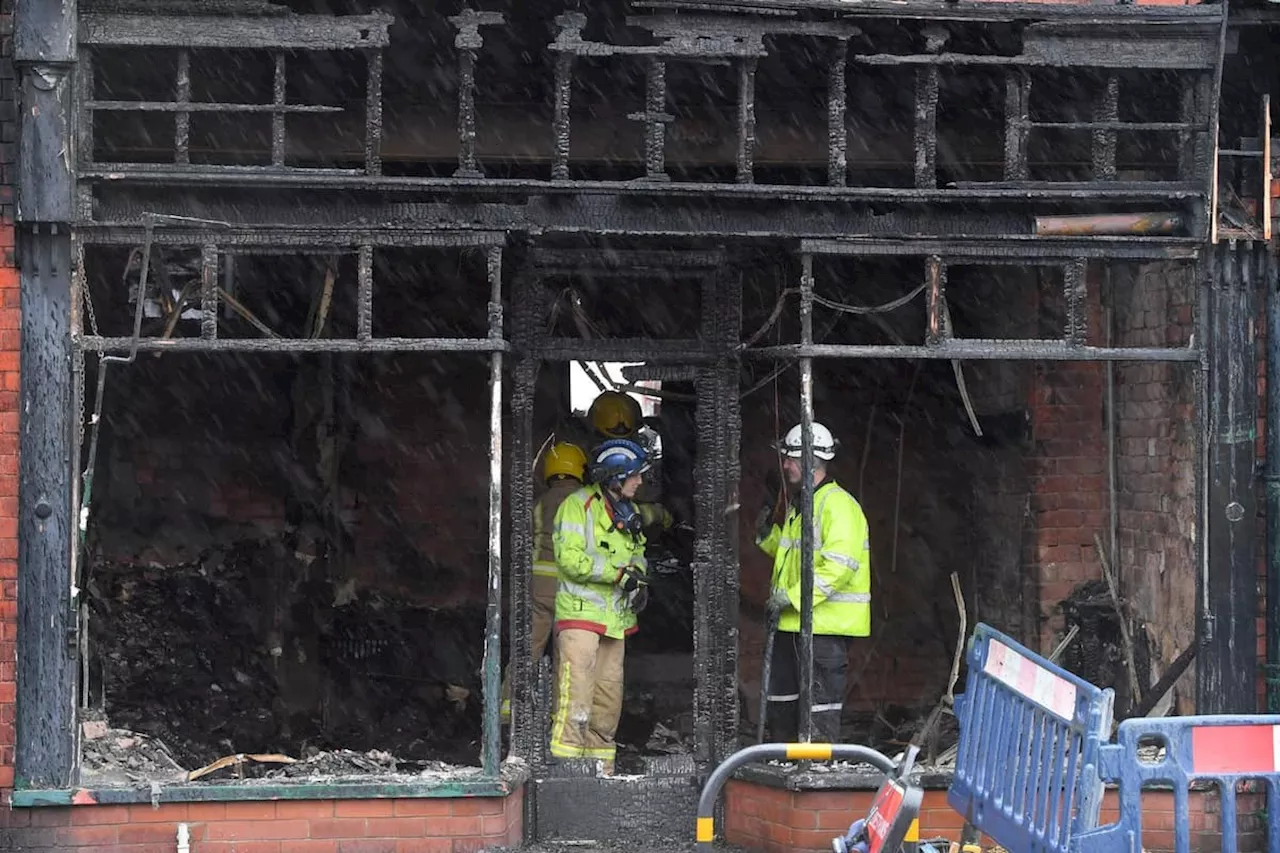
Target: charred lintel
[285,240]
[275,108]
[936,293]
[291,32]
[468,42]
[1074,291]
[974,349]
[209,292]
[1015,11]
[1019,251]
[364,294]
[1106,110]
[837,108]
[295,345]
[746,119]
[690,28]
[45,748]
[1078,45]
[666,261]
[182,121]
[1017,112]
[673,351]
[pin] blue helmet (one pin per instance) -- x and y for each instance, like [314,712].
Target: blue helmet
[616,460]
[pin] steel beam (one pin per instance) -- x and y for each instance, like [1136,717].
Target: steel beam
[1227,664]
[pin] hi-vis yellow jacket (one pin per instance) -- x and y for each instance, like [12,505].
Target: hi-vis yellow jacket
[841,564]
[591,554]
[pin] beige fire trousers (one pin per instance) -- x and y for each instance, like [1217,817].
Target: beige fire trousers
[543,593]
[588,695]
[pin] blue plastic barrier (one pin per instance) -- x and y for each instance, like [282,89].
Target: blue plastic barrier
[1224,750]
[1033,758]
[1030,732]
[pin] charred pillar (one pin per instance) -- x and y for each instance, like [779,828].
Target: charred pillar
[1272,482]
[44,46]
[1228,600]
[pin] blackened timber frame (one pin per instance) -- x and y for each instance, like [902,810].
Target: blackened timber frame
[494,344]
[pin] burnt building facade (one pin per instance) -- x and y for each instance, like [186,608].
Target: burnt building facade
[306,290]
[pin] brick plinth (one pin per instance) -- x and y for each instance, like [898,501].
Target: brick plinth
[774,820]
[431,825]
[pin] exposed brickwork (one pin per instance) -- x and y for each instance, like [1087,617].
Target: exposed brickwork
[780,821]
[1155,461]
[298,826]
[1068,465]
[10,352]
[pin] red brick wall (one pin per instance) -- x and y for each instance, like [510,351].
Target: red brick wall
[10,323]
[300,826]
[1155,461]
[781,821]
[1068,464]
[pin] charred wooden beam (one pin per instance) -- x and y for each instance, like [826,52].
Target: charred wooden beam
[182,121]
[1005,251]
[1228,600]
[1017,112]
[807,539]
[1076,299]
[935,290]
[112,345]
[45,52]
[837,108]
[977,349]
[208,292]
[373,113]
[469,42]
[289,32]
[491,744]
[364,294]
[278,114]
[1106,112]
[746,119]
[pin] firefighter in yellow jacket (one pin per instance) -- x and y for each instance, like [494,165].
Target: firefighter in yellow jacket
[564,471]
[599,546]
[841,590]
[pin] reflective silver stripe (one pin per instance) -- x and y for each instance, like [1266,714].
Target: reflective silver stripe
[549,570]
[850,598]
[830,706]
[585,593]
[848,562]
[828,591]
[573,528]
[787,697]
[599,567]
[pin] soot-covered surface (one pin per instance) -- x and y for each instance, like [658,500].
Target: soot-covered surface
[214,657]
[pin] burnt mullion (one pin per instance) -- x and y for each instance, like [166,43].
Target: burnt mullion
[1075,291]
[837,108]
[1016,118]
[564,94]
[746,119]
[85,80]
[469,41]
[373,114]
[926,133]
[937,331]
[278,114]
[209,292]
[1106,109]
[364,294]
[182,118]
[655,119]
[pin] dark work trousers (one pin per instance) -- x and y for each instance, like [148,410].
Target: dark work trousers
[830,663]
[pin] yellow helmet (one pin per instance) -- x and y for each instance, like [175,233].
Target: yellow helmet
[615,414]
[564,460]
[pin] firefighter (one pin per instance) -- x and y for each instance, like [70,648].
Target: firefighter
[599,547]
[615,415]
[841,590]
[563,471]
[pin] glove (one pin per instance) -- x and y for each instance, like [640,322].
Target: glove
[631,579]
[639,599]
[777,603]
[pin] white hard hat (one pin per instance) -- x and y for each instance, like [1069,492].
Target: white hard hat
[824,444]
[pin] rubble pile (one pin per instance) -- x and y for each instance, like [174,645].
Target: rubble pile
[251,649]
